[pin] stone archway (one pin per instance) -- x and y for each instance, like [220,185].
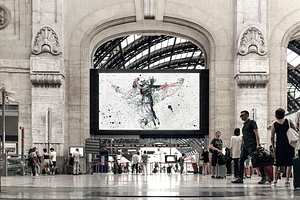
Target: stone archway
[280,37]
[85,39]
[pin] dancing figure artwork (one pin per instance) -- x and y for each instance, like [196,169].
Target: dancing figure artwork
[143,96]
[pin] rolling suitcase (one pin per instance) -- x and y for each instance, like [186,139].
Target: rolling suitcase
[220,171]
[195,167]
[296,169]
[69,169]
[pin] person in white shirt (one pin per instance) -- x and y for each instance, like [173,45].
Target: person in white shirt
[135,161]
[236,142]
[53,159]
[76,156]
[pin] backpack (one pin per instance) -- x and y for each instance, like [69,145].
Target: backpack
[71,161]
[30,158]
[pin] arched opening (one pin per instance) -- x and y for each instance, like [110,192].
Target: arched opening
[161,79]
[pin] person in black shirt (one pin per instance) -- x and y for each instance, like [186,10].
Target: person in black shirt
[251,142]
[216,145]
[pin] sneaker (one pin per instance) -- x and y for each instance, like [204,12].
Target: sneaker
[263,181]
[238,180]
[287,184]
[37,175]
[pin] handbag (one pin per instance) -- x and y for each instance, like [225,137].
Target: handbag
[292,135]
[262,157]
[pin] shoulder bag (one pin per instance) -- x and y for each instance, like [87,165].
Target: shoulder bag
[292,135]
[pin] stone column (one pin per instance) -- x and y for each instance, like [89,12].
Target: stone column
[252,64]
[47,74]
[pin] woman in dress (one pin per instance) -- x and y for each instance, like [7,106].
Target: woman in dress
[283,151]
[205,156]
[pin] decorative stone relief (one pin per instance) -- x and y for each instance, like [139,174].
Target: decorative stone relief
[46,40]
[252,41]
[252,80]
[4,17]
[149,9]
[47,80]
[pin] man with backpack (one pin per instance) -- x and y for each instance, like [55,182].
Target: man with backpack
[31,156]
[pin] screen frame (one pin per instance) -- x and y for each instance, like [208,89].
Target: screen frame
[174,156]
[203,104]
[79,147]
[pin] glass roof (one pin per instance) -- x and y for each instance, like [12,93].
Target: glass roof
[293,58]
[149,52]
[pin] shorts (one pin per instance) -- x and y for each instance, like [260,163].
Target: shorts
[54,163]
[214,159]
[46,162]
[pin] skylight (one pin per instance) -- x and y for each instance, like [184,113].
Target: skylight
[293,58]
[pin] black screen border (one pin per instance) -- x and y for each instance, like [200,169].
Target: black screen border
[204,107]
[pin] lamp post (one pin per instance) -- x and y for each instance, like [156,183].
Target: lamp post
[5,98]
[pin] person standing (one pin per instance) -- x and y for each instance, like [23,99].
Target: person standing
[251,142]
[283,151]
[76,156]
[31,156]
[46,158]
[36,161]
[135,161]
[205,156]
[145,162]
[53,159]
[236,143]
[216,145]
[181,163]
[228,161]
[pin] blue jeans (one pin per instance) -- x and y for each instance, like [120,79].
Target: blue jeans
[246,151]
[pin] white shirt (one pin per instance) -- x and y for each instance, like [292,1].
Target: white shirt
[135,159]
[76,156]
[53,156]
[236,145]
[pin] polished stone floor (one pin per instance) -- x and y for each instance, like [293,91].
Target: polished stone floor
[136,187]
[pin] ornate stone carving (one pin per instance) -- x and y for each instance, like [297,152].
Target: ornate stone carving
[4,17]
[252,80]
[46,40]
[47,80]
[252,41]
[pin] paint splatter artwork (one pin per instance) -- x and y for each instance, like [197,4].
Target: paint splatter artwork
[149,101]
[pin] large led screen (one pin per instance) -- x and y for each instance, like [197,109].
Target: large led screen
[149,101]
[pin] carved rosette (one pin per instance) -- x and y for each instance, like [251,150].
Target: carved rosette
[46,40]
[47,80]
[252,80]
[252,41]
[4,17]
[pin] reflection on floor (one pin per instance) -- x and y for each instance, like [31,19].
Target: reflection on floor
[127,186]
